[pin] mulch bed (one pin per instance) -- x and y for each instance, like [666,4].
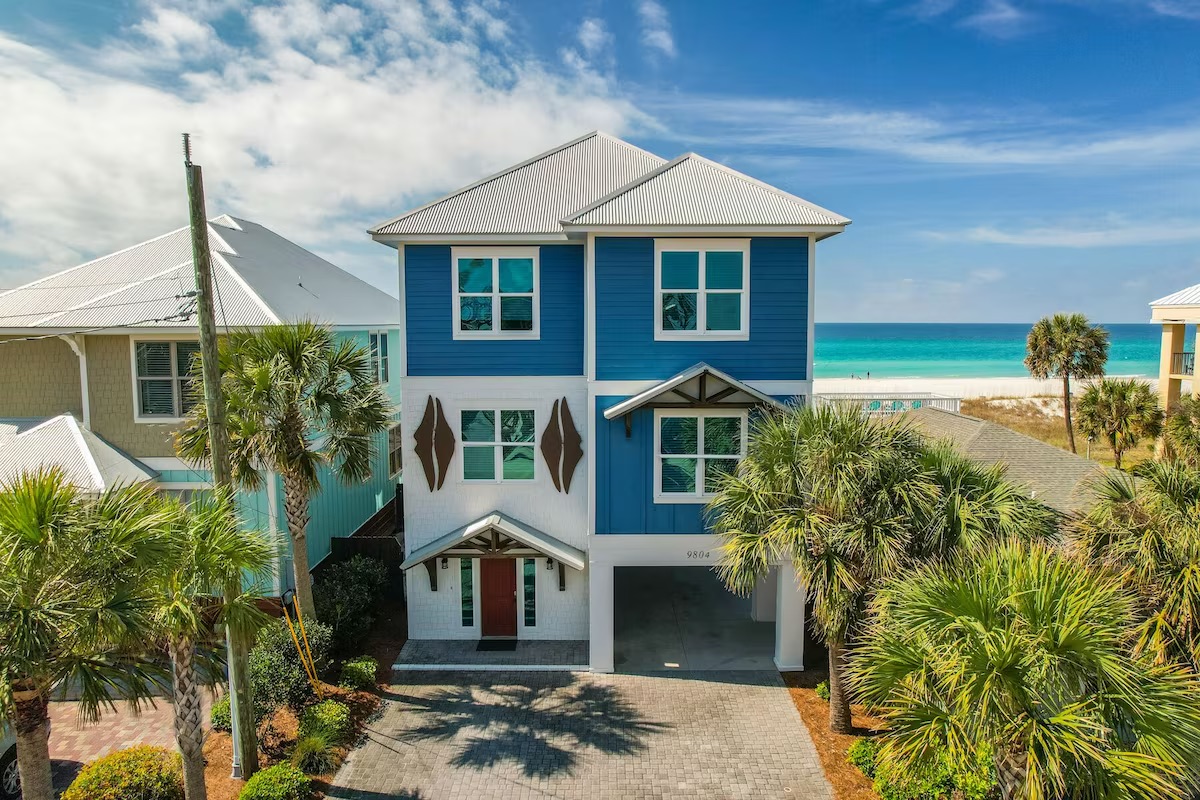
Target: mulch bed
[848,783]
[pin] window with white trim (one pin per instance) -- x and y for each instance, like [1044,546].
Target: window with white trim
[702,288]
[498,444]
[379,355]
[495,292]
[693,449]
[395,450]
[163,376]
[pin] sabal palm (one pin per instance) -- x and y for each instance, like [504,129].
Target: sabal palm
[1148,533]
[209,551]
[297,399]
[1024,653]
[1122,412]
[1066,346]
[76,604]
[1182,429]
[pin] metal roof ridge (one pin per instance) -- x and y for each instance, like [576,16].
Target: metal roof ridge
[628,187]
[763,185]
[245,284]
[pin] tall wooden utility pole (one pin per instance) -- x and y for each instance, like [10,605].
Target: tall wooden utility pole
[241,699]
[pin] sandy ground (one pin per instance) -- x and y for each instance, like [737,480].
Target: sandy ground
[950,387]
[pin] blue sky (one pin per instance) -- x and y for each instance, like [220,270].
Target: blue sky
[1001,159]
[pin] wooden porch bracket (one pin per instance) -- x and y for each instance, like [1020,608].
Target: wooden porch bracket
[562,577]
[431,568]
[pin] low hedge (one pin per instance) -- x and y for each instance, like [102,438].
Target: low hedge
[136,773]
[359,673]
[328,718]
[280,782]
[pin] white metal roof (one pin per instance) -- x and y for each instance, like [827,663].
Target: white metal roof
[1184,297]
[691,190]
[534,196]
[87,461]
[261,278]
[531,537]
[688,382]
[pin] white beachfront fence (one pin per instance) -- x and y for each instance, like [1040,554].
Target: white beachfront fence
[883,404]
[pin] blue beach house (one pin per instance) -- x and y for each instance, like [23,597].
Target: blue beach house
[586,335]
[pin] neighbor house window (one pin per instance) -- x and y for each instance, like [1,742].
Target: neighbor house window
[495,292]
[693,450]
[466,583]
[395,450]
[702,288]
[529,583]
[498,445]
[163,375]
[379,355]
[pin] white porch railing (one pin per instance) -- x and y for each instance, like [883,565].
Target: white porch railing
[885,404]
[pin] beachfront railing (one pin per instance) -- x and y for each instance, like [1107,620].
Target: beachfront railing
[1183,363]
[886,404]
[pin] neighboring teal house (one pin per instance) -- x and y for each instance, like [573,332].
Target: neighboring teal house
[108,344]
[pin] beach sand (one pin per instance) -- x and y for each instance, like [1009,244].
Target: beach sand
[951,387]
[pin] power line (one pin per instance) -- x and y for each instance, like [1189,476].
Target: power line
[63,286]
[183,315]
[87,307]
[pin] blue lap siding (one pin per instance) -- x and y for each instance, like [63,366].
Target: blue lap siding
[625,308]
[429,310]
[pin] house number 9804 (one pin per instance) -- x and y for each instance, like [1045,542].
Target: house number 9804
[699,555]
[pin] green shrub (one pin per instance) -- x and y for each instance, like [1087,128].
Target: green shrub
[315,755]
[276,674]
[219,718]
[359,673]
[941,780]
[280,782]
[862,755]
[328,718]
[142,772]
[346,596]
[822,690]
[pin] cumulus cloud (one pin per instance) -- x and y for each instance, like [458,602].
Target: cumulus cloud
[656,28]
[317,119]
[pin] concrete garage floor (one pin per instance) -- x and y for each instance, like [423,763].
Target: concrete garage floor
[682,618]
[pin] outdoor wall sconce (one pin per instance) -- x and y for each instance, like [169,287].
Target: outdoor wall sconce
[549,563]
[445,563]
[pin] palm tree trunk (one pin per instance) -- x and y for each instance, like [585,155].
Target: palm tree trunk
[189,731]
[1067,411]
[1010,773]
[840,720]
[31,726]
[295,506]
[1117,458]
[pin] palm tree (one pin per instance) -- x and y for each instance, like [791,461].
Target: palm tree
[1121,412]
[1182,429]
[1027,655]
[76,605]
[1147,532]
[297,399]
[1066,346]
[208,551]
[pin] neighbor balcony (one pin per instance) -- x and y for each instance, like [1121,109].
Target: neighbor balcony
[1183,364]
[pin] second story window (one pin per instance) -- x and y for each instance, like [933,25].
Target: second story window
[702,288]
[498,445]
[163,378]
[379,355]
[495,292]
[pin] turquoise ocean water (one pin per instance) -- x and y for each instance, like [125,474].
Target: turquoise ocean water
[953,350]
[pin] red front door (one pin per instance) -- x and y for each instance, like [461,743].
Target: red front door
[498,590]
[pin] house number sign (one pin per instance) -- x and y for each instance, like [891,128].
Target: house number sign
[699,555]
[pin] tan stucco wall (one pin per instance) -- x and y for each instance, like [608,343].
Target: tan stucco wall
[39,379]
[110,385]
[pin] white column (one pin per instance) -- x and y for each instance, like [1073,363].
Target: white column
[764,597]
[789,620]
[600,613]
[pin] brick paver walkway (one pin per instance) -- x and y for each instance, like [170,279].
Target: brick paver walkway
[576,735]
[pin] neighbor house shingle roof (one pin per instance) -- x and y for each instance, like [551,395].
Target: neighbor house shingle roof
[87,461]
[1052,476]
[261,278]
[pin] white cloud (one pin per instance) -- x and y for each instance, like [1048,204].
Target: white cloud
[1009,18]
[318,120]
[999,18]
[594,36]
[656,28]
[1115,232]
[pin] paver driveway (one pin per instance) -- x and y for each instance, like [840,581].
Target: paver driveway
[562,735]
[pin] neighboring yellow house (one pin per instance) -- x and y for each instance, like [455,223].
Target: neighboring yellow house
[1177,363]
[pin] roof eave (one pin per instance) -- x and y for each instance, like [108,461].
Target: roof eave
[819,231]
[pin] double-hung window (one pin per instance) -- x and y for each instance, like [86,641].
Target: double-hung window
[702,288]
[693,449]
[379,355]
[162,373]
[495,292]
[498,444]
[395,450]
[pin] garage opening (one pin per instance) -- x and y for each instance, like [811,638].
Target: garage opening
[683,618]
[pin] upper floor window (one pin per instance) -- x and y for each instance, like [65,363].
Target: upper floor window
[498,445]
[379,355]
[395,450]
[162,372]
[702,288]
[495,292]
[693,449]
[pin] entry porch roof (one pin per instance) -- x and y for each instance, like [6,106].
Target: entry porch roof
[498,535]
[697,386]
